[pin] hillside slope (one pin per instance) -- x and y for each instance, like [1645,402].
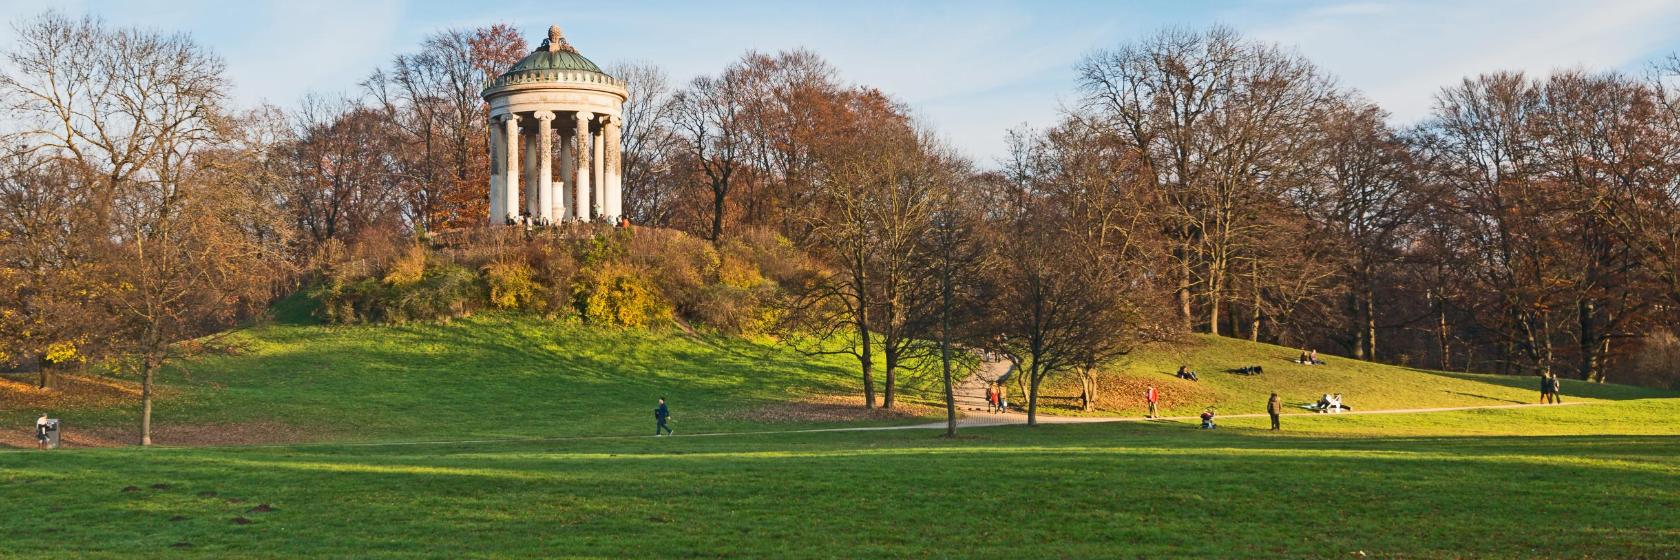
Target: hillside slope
[1363,385]
[496,376]
[488,376]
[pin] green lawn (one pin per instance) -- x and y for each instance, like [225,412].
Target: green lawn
[1326,487]
[1364,385]
[489,376]
[564,470]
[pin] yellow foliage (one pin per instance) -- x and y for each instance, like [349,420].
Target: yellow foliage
[63,352]
[737,272]
[512,284]
[408,269]
[619,295]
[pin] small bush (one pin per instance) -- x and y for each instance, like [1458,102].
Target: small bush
[617,294]
[408,268]
[511,284]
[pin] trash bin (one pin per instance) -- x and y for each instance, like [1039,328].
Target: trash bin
[52,433]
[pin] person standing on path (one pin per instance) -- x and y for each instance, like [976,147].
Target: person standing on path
[661,415]
[1274,408]
[1153,398]
[991,397]
[41,432]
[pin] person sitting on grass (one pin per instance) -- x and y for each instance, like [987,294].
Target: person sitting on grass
[1185,373]
[1324,403]
[1335,403]
[1207,419]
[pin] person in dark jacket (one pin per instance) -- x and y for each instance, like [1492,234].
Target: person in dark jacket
[1274,408]
[661,414]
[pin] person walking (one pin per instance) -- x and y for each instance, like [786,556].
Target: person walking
[991,397]
[1153,397]
[1003,398]
[41,432]
[1557,389]
[661,415]
[1274,408]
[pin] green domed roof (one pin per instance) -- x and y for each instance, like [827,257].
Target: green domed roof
[554,54]
[542,59]
[554,62]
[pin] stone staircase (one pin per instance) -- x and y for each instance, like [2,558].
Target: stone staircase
[970,393]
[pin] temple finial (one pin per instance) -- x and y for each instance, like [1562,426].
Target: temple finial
[557,42]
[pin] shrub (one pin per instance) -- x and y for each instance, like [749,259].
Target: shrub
[617,294]
[680,265]
[443,292]
[408,268]
[554,271]
[511,284]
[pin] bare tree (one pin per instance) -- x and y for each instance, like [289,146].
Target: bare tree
[1224,123]
[650,187]
[708,117]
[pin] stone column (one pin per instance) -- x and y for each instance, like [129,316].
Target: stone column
[497,179]
[510,192]
[545,167]
[533,186]
[614,172]
[599,179]
[568,172]
[580,190]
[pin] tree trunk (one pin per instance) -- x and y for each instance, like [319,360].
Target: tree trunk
[1032,396]
[1441,333]
[1588,368]
[1184,286]
[945,353]
[147,370]
[868,362]
[1370,323]
[1254,319]
[892,374]
[717,212]
[1088,389]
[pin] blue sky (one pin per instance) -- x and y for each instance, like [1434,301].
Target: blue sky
[970,69]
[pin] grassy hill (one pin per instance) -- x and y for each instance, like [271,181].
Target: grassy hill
[488,376]
[498,376]
[1363,385]
[561,465]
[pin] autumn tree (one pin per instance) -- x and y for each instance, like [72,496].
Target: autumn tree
[1224,124]
[652,189]
[1072,287]
[137,115]
[432,100]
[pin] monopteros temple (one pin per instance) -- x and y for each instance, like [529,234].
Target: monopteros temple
[555,105]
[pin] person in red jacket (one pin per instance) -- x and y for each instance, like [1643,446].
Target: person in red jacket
[1153,397]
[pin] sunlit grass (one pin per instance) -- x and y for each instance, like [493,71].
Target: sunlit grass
[1324,487]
